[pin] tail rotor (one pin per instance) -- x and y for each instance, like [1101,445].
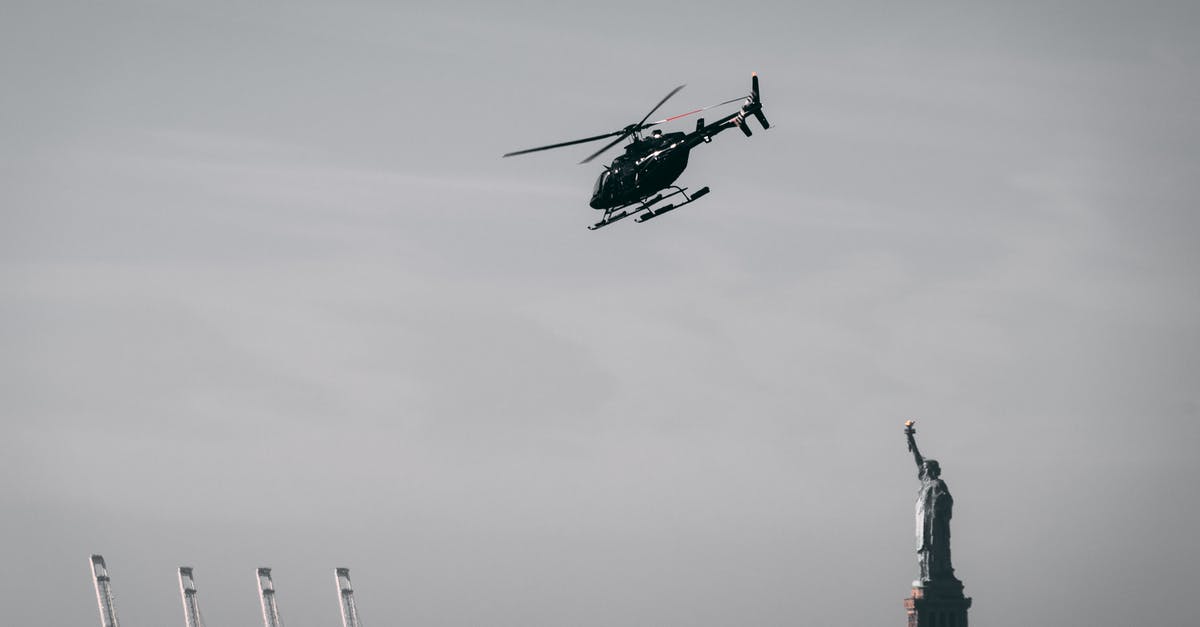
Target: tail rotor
[752,106]
[756,102]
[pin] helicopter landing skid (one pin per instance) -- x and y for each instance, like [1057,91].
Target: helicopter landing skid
[645,208]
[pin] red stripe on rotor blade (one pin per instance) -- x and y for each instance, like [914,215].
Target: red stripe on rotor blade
[675,117]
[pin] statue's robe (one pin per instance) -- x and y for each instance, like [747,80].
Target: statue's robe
[933,511]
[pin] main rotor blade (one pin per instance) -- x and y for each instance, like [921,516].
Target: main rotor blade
[683,115]
[660,103]
[623,133]
[614,142]
[570,143]
[631,129]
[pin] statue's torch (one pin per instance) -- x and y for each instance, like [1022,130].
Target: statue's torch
[910,431]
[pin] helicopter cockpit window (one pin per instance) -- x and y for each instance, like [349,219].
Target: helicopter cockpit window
[600,182]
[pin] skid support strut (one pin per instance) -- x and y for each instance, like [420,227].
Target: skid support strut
[645,210]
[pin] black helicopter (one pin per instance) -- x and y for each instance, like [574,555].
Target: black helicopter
[629,185]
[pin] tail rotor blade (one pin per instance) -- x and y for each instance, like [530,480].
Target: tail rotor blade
[753,107]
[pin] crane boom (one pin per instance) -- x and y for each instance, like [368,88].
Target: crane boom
[346,598]
[266,593]
[187,591]
[104,595]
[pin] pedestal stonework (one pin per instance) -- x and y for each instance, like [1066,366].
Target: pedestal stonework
[934,607]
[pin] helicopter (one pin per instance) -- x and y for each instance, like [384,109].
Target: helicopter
[635,182]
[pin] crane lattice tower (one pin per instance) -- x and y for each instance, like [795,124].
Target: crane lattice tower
[346,598]
[104,595]
[266,593]
[187,591]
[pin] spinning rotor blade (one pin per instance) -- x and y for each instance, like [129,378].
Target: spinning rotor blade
[660,103]
[570,143]
[624,134]
[684,115]
[621,134]
[633,128]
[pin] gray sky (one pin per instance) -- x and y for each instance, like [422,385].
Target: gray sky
[269,297]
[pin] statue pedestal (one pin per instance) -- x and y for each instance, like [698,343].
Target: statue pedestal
[937,604]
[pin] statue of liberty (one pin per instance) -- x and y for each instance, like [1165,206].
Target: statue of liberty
[933,511]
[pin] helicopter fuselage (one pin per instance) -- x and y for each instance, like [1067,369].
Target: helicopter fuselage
[648,165]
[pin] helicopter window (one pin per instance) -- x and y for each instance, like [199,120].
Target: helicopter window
[600,182]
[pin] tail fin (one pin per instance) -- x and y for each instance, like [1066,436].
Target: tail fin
[752,106]
[755,104]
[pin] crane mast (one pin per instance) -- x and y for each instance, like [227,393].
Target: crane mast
[104,595]
[187,591]
[346,598]
[266,592]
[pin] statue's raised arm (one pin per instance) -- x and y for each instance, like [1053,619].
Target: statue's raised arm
[910,432]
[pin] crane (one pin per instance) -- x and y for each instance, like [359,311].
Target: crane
[104,595]
[341,576]
[187,590]
[266,592]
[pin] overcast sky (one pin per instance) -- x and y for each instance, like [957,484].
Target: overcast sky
[269,296]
